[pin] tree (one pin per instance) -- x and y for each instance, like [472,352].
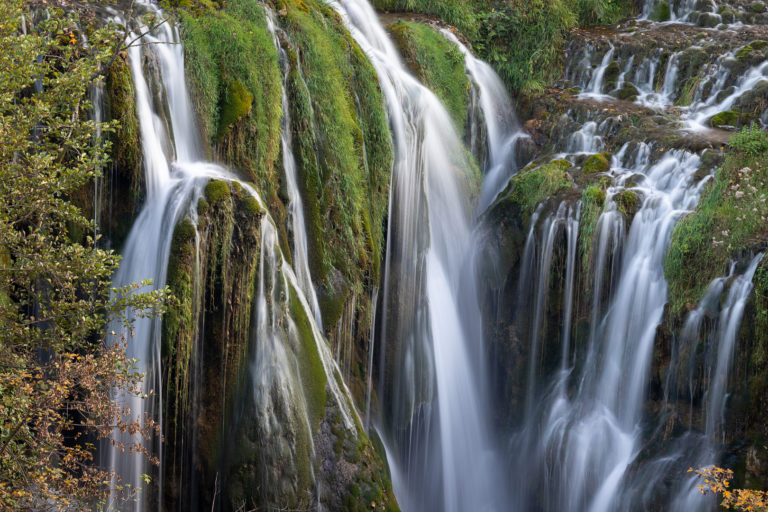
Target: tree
[717,480]
[57,374]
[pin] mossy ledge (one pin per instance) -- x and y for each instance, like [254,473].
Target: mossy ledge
[438,63]
[730,219]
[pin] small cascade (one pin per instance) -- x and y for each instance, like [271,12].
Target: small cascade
[295,205]
[501,125]
[556,230]
[594,88]
[720,90]
[586,140]
[97,114]
[727,331]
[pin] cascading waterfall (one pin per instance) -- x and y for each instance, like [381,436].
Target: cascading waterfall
[563,434]
[501,124]
[173,175]
[579,433]
[439,438]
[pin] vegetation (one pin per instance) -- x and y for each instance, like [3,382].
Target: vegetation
[437,63]
[56,371]
[592,201]
[717,480]
[343,151]
[522,39]
[233,68]
[730,217]
[535,183]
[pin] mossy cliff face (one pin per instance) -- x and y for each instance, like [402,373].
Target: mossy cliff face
[344,153]
[234,74]
[340,135]
[437,63]
[255,411]
[206,333]
[116,197]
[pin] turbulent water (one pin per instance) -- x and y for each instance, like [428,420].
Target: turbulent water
[580,428]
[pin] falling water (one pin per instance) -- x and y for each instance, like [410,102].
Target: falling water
[295,205]
[501,124]
[436,409]
[584,443]
[174,174]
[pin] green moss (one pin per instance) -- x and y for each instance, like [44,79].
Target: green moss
[745,53]
[533,184]
[235,77]
[599,162]
[660,12]
[627,204]
[202,206]
[250,205]
[627,92]
[438,63]
[726,118]
[611,76]
[462,14]
[342,145]
[313,377]
[729,218]
[592,201]
[235,104]
[126,153]
[216,191]
[757,7]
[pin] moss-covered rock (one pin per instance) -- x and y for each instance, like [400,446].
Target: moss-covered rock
[216,191]
[627,92]
[437,63]
[599,162]
[235,80]
[726,118]
[660,12]
[628,204]
[235,104]
[757,7]
[729,218]
[342,147]
[592,203]
[126,173]
[533,184]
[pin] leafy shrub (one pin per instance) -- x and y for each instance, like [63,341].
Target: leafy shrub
[751,141]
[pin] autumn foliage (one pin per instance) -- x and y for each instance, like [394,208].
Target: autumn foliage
[717,480]
[58,374]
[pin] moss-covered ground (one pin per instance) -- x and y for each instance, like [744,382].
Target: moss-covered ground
[732,216]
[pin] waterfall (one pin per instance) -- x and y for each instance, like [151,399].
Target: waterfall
[594,88]
[435,416]
[501,124]
[172,176]
[175,175]
[295,205]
